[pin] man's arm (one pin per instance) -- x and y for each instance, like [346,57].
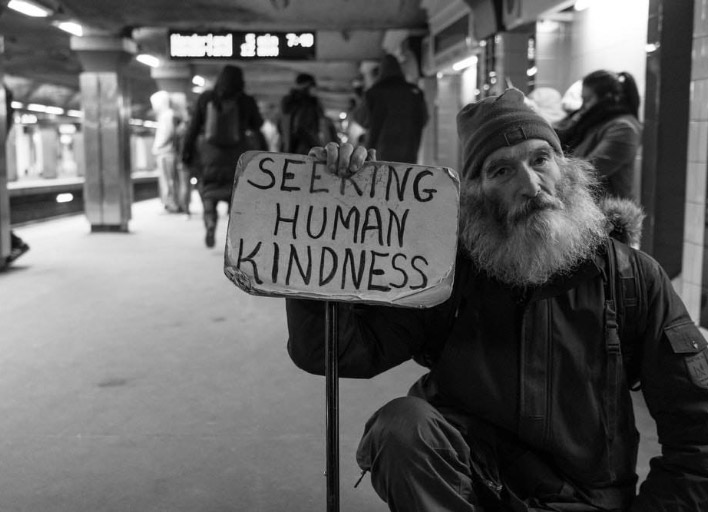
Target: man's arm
[674,376]
[372,339]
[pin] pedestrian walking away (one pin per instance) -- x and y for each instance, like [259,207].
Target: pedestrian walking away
[229,122]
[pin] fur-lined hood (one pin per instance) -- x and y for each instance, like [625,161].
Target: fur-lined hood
[624,220]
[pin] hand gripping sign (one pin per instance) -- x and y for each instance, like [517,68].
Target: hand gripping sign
[386,235]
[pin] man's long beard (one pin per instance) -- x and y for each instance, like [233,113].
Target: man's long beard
[544,237]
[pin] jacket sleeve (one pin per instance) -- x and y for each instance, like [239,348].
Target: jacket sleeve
[195,126]
[674,376]
[372,339]
[618,146]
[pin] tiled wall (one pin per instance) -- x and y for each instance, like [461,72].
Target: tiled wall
[611,35]
[691,286]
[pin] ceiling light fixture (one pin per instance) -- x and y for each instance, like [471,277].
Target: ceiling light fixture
[581,5]
[148,60]
[36,107]
[57,111]
[199,81]
[72,28]
[464,63]
[29,8]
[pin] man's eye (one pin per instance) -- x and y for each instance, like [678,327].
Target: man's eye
[499,172]
[541,159]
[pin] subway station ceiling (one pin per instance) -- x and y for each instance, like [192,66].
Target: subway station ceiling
[40,67]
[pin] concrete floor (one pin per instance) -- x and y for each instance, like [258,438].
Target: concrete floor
[136,378]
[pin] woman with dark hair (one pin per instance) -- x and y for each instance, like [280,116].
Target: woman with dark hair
[229,121]
[606,130]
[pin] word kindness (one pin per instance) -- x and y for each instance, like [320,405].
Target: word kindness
[386,234]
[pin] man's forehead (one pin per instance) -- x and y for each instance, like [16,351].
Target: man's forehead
[518,151]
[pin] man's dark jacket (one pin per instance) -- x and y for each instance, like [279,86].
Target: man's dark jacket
[536,366]
[394,114]
[304,124]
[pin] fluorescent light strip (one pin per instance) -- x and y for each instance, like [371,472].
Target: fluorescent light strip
[465,63]
[36,107]
[581,5]
[148,60]
[29,8]
[72,28]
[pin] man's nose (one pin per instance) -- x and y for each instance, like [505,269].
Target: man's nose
[528,180]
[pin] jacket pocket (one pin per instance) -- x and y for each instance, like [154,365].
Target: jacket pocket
[687,341]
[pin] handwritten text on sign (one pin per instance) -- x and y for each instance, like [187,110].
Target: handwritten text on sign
[387,234]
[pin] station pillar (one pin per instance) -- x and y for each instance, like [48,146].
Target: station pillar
[106,130]
[48,144]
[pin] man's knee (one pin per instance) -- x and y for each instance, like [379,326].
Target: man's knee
[407,427]
[402,419]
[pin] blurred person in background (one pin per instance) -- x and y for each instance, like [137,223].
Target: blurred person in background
[182,185]
[271,132]
[164,148]
[17,245]
[572,98]
[547,101]
[303,123]
[606,130]
[393,113]
[229,121]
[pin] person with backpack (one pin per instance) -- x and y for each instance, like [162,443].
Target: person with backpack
[164,148]
[229,121]
[551,323]
[303,123]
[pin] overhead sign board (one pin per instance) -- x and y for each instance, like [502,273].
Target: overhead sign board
[242,45]
[386,235]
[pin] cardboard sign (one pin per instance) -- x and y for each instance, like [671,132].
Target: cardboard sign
[386,235]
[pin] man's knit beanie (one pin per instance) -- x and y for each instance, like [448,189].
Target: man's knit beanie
[498,121]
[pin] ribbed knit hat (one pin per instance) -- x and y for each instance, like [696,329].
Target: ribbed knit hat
[497,121]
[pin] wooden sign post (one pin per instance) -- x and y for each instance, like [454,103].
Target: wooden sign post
[386,235]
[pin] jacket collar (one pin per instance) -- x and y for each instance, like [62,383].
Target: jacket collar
[588,269]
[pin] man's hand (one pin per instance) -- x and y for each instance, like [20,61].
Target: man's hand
[344,160]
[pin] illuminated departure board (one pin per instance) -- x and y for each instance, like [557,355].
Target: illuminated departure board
[242,45]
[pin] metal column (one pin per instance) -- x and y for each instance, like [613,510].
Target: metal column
[106,108]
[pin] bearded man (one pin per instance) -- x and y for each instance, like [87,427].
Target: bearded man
[527,404]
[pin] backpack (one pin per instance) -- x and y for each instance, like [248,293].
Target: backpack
[625,297]
[222,126]
[624,309]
